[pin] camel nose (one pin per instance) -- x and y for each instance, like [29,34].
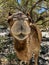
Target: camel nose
[21,28]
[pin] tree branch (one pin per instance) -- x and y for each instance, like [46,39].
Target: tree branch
[46,8]
[26,3]
[44,22]
[19,4]
[20,10]
[42,17]
[35,5]
[30,12]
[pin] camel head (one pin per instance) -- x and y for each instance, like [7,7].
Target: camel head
[19,26]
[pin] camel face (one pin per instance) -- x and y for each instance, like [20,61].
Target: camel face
[20,29]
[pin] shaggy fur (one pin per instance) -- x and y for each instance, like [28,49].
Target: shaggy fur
[30,45]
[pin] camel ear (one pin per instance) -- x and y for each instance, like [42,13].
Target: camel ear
[37,32]
[10,19]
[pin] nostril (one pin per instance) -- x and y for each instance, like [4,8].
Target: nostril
[21,27]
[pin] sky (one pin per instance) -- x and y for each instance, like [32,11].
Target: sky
[41,10]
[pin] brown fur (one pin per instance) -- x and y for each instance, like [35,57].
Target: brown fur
[31,45]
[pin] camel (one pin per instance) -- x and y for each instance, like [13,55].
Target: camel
[26,37]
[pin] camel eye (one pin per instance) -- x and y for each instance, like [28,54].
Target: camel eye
[14,19]
[26,18]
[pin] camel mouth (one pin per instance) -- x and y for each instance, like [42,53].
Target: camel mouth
[21,36]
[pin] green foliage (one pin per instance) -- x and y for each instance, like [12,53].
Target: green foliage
[12,6]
